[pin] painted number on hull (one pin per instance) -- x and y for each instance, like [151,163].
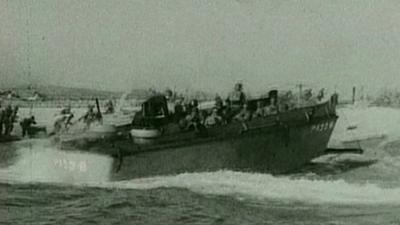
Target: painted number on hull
[322,126]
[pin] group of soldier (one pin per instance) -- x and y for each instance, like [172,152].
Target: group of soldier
[188,116]
[8,116]
[64,119]
[236,108]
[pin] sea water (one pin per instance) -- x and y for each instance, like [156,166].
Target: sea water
[40,184]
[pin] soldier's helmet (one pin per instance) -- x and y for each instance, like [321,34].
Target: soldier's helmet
[238,86]
[194,103]
[168,93]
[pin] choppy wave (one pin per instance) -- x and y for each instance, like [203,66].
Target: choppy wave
[45,164]
[42,162]
[264,186]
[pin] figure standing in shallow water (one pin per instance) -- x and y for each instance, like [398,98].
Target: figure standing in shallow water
[7,118]
[26,125]
[13,118]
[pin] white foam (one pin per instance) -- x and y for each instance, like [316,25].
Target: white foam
[47,165]
[43,163]
[265,186]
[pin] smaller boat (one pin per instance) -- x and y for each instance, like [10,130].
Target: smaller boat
[145,133]
[144,136]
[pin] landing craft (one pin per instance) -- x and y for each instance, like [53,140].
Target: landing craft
[157,145]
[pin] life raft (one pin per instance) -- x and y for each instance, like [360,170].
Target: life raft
[145,133]
[145,136]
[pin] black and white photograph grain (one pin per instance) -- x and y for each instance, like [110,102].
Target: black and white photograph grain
[200,112]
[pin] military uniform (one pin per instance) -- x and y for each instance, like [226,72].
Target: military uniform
[237,98]
[2,114]
[26,125]
[7,120]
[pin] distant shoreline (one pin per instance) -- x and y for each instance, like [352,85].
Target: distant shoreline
[52,103]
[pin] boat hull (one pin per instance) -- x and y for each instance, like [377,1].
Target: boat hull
[276,144]
[274,150]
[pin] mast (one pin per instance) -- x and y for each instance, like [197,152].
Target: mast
[28,67]
[28,43]
[299,101]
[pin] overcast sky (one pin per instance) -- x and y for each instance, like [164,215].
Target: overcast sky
[208,45]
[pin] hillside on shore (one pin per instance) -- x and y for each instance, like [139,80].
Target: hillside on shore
[53,92]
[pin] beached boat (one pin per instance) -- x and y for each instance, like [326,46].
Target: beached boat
[276,143]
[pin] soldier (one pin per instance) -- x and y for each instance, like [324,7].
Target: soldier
[179,111]
[321,94]
[109,107]
[271,109]
[169,94]
[64,119]
[1,120]
[260,111]
[227,113]
[243,116]
[237,98]
[213,119]
[219,104]
[89,117]
[192,119]
[13,118]
[192,106]
[66,110]
[170,97]
[26,125]
[8,119]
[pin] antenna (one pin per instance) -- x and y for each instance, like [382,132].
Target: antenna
[28,72]
[28,44]
[299,101]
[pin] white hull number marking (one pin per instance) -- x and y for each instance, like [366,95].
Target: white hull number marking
[322,126]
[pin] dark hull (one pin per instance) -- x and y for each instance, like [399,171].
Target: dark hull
[273,151]
[278,144]
[9,138]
